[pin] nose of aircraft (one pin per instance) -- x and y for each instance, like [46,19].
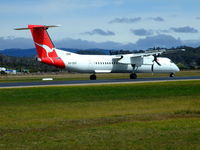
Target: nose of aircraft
[175,68]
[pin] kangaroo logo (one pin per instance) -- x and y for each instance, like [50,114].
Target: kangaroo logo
[47,49]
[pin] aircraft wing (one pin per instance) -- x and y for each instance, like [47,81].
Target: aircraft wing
[137,58]
[149,53]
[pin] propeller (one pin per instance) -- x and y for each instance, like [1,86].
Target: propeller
[152,68]
[156,60]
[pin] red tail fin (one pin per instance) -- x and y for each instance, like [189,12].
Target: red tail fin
[44,46]
[42,41]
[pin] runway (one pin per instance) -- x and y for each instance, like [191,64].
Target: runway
[93,82]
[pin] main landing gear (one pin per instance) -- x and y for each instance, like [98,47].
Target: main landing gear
[133,76]
[171,75]
[93,77]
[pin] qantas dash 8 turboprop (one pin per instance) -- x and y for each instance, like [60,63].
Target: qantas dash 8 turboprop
[147,62]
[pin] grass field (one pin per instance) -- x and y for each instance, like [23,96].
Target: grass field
[149,116]
[78,76]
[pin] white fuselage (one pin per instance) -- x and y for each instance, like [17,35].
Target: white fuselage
[128,63]
[109,64]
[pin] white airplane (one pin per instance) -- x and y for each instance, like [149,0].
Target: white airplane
[147,62]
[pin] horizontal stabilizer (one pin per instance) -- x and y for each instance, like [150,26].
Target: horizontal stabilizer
[37,26]
[21,28]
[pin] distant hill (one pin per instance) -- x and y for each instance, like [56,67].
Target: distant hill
[32,52]
[190,59]
[19,52]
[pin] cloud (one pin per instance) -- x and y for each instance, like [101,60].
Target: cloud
[85,44]
[12,42]
[192,43]
[198,18]
[185,29]
[126,20]
[100,32]
[142,32]
[134,20]
[158,19]
[162,40]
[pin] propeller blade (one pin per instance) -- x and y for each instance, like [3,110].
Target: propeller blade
[155,60]
[152,68]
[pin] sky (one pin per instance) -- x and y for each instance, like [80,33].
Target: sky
[112,24]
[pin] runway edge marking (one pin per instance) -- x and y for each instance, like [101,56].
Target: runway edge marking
[91,84]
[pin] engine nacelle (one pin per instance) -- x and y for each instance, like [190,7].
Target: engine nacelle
[148,60]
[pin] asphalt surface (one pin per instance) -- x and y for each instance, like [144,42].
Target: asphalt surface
[92,82]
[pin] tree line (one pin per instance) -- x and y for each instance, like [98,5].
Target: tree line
[25,63]
[189,59]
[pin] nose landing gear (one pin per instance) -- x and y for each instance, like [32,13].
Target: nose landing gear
[133,76]
[93,77]
[171,75]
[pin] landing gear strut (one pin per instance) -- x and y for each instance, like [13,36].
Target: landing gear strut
[93,77]
[133,76]
[171,75]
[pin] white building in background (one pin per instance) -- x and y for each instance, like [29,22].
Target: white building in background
[2,69]
[7,71]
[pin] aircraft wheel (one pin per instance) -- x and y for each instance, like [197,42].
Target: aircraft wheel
[171,75]
[93,77]
[133,76]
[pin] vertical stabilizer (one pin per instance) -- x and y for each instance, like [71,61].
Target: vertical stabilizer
[44,46]
[42,41]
